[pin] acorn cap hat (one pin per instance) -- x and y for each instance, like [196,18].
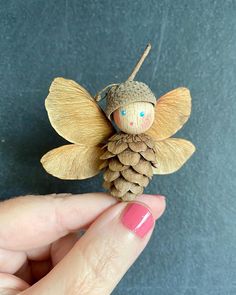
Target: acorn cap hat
[126,93]
[119,95]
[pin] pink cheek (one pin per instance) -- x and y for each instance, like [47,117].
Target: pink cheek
[145,123]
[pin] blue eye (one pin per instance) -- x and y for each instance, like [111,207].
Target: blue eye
[123,112]
[141,114]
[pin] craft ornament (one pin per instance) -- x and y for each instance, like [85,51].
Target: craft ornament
[128,158]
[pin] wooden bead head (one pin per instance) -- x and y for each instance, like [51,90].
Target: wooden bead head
[131,103]
[134,118]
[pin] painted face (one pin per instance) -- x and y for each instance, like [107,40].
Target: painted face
[134,118]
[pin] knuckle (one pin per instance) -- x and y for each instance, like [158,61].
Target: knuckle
[101,260]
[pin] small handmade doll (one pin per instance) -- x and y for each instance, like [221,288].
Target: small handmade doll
[129,157]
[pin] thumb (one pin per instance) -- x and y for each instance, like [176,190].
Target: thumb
[102,256]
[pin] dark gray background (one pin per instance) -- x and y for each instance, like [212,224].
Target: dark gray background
[97,43]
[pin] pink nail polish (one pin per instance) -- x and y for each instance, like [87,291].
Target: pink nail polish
[138,219]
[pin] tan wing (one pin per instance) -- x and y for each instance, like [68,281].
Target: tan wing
[172,153]
[73,161]
[75,115]
[171,112]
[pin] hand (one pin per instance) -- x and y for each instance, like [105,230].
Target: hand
[42,253]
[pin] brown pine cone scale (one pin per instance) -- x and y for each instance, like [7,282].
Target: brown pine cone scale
[127,163]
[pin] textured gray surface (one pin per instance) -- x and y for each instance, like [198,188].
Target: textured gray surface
[96,43]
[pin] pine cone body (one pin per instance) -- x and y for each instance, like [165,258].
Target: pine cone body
[128,162]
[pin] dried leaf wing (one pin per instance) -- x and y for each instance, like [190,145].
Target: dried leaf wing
[73,161]
[75,115]
[171,154]
[171,113]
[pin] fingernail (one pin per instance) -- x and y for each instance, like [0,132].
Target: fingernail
[138,219]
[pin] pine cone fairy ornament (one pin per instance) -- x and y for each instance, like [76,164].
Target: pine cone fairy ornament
[128,158]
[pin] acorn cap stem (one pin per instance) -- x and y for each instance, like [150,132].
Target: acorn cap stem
[140,62]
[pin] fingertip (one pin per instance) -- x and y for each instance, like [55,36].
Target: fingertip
[156,203]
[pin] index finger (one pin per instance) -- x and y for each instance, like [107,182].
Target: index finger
[33,221]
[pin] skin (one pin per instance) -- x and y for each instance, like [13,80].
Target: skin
[42,252]
[134,118]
